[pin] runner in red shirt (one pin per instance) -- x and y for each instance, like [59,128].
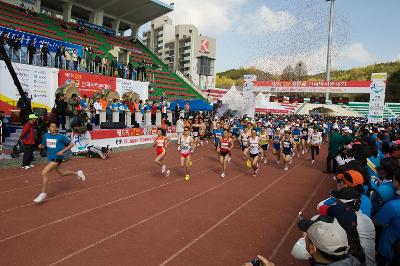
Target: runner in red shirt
[161,142]
[224,148]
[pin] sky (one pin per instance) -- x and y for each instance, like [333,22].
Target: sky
[271,34]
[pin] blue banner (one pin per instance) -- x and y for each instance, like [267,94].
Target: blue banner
[96,27]
[53,44]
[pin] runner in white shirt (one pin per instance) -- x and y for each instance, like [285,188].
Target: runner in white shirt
[254,150]
[186,147]
[315,140]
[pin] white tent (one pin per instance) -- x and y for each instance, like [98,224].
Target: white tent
[262,102]
[233,98]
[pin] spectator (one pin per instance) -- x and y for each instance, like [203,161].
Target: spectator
[4,122]
[27,139]
[104,65]
[177,112]
[75,59]
[97,107]
[84,103]
[335,144]
[180,125]
[25,108]
[16,48]
[44,53]
[388,220]
[114,67]
[97,63]
[31,51]
[154,109]
[164,108]
[67,59]
[72,109]
[60,109]
[60,53]
[89,62]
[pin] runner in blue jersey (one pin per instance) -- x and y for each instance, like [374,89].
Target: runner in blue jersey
[276,144]
[297,139]
[56,145]
[217,133]
[287,149]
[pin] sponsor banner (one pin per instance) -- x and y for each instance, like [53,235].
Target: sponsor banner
[96,27]
[272,111]
[117,137]
[313,86]
[377,97]
[88,84]
[126,85]
[39,82]
[53,44]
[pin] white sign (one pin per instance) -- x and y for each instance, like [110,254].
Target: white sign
[377,97]
[126,85]
[41,84]
[248,94]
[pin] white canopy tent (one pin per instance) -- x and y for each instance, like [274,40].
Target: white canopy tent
[233,98]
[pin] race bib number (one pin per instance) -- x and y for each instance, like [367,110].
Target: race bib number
[51,143]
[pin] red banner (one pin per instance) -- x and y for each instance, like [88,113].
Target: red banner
[87,83]
[127,132]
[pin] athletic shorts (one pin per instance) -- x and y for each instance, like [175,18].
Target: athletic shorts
[57,160]
[185,155]
[195,134]
[160,150]
[224,153]
[264,147]
[277,146]
[244,147]
[305,138]
[253,155]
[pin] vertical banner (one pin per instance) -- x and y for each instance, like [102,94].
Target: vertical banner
[88,84]
[377,97]
[39,82]
[248,95]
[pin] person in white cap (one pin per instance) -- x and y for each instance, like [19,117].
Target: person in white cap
[56,145]
[27,139]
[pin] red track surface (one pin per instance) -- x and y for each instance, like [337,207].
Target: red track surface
[127,214]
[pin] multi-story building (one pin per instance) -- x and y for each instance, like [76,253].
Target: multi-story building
[184,49]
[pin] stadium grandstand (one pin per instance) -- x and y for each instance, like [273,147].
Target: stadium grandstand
[95,27]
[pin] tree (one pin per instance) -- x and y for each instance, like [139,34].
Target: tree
[288,73]
[300,71]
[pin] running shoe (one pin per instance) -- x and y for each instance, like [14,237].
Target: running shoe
[167,173]
[265,161]
[222,175]
[291,160]
[256,171]
[31,165]
[302,152]
[81,175]
[42,196]
[248,163]
[312,161]
[179,148]
[285,169]
[163,168]
[26,167]
[278,162]
[298,155]
[187,177]
[190,163]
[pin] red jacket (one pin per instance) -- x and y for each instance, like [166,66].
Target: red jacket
[28,133]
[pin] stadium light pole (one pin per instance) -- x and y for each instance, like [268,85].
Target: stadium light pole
[328,56]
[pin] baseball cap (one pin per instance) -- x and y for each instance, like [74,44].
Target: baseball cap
[346,216]
[352,178]
[326,234]
[32,116]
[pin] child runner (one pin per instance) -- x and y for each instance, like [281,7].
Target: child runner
[277,145]
[187,146]
[315,143]
[287,146]
[56,145]
[161,142]
[224,148]
[264,142]
[297,139]
[254,149]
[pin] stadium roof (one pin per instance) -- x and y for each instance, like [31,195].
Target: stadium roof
[129,12]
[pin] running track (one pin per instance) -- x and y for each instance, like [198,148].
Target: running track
[127,214]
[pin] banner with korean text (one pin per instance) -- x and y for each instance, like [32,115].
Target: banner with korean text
[39,82]
[377,97]
[88,84]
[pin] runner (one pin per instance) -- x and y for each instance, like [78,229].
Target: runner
[287,147]
[264,142]
[187,146]
[277,145]
[304,138]
[203,132]
[254,149]
[217,133]
[297,139]
[244,143]
[224,148]
[196,131]
[161,142]
[315,143]
[56,145]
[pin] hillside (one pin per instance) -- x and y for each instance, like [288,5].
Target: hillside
[235,77]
